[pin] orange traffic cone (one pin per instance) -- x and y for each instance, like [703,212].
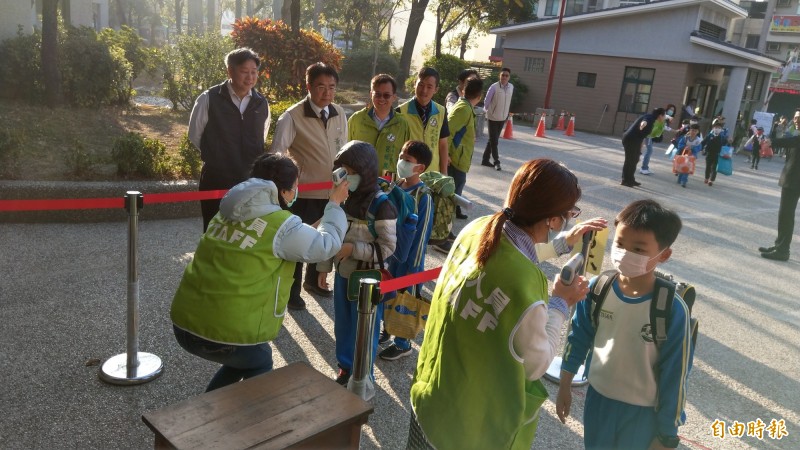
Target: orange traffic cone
[509,129]
[560,125]
[571,127]
[540,127]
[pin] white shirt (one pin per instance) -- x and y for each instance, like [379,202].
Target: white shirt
[199,117]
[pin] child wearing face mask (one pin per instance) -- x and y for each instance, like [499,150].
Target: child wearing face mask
[415,157]
[359,248]
[636,391]
[712,146]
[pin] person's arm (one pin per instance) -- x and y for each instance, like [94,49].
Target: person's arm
[444,145]
[267,122]
[198,119]
[299,242]
[284,134]
[674,364]
[487,101]
[386,229]
[579,342]
[458,119]
[538,336]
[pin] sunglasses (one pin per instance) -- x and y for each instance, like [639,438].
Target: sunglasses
[384,95]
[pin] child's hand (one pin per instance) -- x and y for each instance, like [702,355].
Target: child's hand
[573,293]
[563,402]
[344,252]
[339,193]
[576,233]
[322,281]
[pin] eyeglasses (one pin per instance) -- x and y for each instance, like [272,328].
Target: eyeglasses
[322,88]
[383,95]
[574,212]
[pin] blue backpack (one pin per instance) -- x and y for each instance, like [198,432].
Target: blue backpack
[406,217]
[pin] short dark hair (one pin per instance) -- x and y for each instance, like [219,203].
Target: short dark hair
[466,73]
[278,168]
[426,72]
[420,151]
[382,78]
[694,126]
[473,88]
[506,69]
[649,215]
[659,112]
[319,69]
[237,57]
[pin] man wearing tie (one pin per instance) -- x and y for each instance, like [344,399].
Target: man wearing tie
[312,131]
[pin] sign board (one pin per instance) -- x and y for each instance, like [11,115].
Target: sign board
[764,120]
[785,24]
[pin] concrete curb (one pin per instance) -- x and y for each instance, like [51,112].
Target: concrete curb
[56,190]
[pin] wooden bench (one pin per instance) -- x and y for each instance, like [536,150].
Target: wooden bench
[291,407]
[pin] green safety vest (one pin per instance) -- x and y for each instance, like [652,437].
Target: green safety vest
[235,289]
[388,141]
[461,121]
[469,389]
[658,129]
[428,134]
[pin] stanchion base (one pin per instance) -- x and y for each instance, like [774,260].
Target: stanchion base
[115,369]
[363,388]
[554,373]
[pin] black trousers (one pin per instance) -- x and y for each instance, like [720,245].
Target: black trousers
[786,211]
[495,127]
[309,210]
[212,181]
[711,166]
[632,152]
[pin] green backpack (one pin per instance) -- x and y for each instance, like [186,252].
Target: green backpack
[442,188]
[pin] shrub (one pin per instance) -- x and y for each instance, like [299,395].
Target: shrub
[189,162]
[284,56]
[20,71]
[93,73]
[78,160]
[275,110]
[520,89]
[135,155]
[193,65]
[449,67]
[10,150]
[358,64]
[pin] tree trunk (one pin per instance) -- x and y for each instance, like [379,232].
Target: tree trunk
[52,76]
[211,15]
[437,39]
[238,9]
[360,10]
[464,41]
[178,16]
[121,7]
[317,12]
[415,19]
[296,17]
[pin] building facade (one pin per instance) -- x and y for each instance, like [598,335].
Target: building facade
[618,59]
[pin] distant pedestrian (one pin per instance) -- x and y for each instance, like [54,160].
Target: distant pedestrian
[689,145]
[757,140]
[498,105]
[712,146]
[462,140]
[453,96]
[632,141]
[655,136]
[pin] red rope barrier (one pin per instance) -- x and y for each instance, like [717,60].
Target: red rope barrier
[409,280]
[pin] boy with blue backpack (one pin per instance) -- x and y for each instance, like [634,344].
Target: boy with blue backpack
[637,333]
[415,157]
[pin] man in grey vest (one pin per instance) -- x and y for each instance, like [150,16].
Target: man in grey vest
[497,104]
[228,124]
[312,131]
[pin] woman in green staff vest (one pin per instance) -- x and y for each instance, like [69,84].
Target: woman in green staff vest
[493,330]
[232,299]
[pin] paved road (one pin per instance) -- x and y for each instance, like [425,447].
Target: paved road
[63,287]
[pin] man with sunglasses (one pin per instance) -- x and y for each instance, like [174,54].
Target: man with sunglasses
[379,125]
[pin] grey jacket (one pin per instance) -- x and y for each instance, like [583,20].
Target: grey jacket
[294,241]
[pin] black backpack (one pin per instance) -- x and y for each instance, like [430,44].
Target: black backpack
[660,306]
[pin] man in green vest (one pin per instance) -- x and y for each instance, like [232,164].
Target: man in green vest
[462,142]
[379,125]
[427,119]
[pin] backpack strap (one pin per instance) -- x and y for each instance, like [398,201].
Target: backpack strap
[372,211]
[660,309]
[598,294]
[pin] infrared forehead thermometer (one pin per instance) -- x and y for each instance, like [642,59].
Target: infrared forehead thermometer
[576,265]
[338,175]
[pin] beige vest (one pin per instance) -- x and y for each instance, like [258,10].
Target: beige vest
[315,147]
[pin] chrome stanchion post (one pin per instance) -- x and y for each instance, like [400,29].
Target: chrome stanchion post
[360,383]
[132,367]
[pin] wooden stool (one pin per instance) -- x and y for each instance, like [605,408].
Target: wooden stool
[291,407]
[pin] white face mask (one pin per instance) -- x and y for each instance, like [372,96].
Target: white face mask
[405,168]
[354,181]
[551,233]
[717,131]
[630,264]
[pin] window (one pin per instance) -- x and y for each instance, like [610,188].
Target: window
[784,2]
[773,47]
[709,30]
[535,65]
[586,79]
[752,41]
[636,87]
[551,8]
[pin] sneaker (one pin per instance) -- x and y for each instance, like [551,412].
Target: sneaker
[444,247]
[497,166]
[767,249]
[630,183]
[645,172]
[710,183]
[312,288]
[683,184]
[394,352]
[451,237]
[343,377]
[487,164]
[296,303]
[385,337]
[435,242]
[705,181]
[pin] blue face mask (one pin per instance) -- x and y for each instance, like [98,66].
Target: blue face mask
[354,180]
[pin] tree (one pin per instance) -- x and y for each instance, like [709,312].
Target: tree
[178,16]
[211,15]
[52,76]
[450,14]
[415,19]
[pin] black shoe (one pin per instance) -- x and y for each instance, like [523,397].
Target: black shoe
[487,164]
[767,249]
[385,337]
[435,242]
[451,237]
[394,352]
[460,215]
[630,183]
[776,255]
[296,303]
[445,247]
[312,288]
[343,376]
[497,166]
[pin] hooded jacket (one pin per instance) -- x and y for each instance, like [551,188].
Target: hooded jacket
[235,289]
[361,157]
